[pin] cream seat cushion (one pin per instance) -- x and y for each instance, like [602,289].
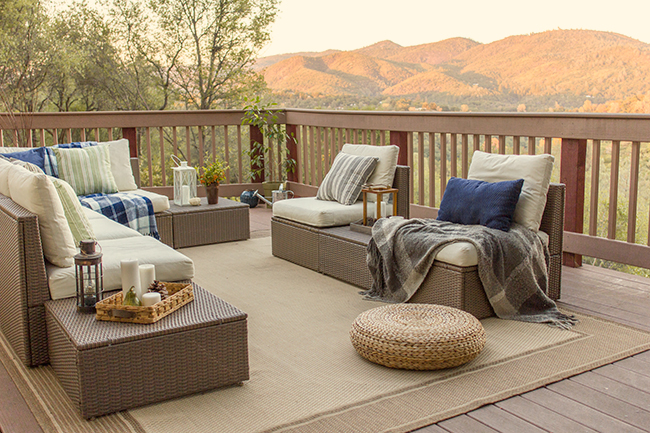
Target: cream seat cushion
[170,264]
[160,202]
[534,169]
[464,253]
[105,228]
[36,193]
[318,213]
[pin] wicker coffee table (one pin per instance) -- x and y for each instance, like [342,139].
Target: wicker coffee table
[188,226]
[105,367]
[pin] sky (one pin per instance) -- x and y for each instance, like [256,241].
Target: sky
[318,25]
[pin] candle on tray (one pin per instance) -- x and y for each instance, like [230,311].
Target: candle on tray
[383,209]
[130,276]
[147,276]
[150,298]
[185,195]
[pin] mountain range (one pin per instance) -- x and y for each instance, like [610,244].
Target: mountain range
[569,64]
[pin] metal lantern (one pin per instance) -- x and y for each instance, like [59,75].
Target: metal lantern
[184,182]
[89,275]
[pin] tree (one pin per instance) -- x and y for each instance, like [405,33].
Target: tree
[201,50]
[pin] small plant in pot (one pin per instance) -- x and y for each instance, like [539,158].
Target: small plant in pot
[210,176]
[266,120]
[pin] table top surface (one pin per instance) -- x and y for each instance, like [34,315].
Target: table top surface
[86,332]
[223,204]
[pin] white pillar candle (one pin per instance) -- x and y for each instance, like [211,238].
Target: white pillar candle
[147,276]
[185,195]
[130,276]
[150,298]
[383,209]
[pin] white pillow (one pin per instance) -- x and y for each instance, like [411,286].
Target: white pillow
[36,193]
[4,173]
[534,169]
[121,164]
[384,173]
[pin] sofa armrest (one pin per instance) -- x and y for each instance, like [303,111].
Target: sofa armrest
[135,167]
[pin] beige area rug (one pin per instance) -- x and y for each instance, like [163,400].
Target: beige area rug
[307,377]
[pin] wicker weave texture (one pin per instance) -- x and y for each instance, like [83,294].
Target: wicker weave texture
[417,336]
[209,224]
[201,346]
[294,242]
[340,259]
[165,228]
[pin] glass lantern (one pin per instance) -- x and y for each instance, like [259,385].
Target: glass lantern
[89,275]
[184,183]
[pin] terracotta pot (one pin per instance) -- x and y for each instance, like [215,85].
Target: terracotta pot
[212,192]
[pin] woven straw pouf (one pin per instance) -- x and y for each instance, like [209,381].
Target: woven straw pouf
[417,336]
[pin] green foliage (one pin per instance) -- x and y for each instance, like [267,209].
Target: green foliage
[259,114]
[213,174]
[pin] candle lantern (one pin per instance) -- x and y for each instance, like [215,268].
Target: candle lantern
[89,275]
[184,182]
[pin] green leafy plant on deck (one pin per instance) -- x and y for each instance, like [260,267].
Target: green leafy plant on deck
[265,119]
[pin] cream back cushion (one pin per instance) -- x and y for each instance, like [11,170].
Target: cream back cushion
[5,165]
[121,164]
[534,169]
[36,193]
[384,173]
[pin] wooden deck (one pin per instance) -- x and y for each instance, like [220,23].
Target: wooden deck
[613,398]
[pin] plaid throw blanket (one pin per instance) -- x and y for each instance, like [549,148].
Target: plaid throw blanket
[511,265]
[131,210]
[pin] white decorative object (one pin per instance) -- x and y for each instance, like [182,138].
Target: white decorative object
[184,176]
[130,276]
[383,209]
[150,298]
[147,277]
[195,201]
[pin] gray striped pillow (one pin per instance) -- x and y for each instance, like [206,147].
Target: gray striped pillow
[87,170]
[345,179]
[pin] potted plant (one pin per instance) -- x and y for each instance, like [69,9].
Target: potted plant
[210,177]
[266,120]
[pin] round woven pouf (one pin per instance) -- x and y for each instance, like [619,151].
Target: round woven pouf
[417,336]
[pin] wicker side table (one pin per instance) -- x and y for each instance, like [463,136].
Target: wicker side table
[209,223]
[105,367]
[417,336]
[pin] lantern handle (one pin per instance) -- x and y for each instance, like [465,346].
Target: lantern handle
[176,160]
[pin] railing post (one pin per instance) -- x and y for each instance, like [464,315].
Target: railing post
[572,174]
[256,136]
[131,135]
[400,138]
[292,151]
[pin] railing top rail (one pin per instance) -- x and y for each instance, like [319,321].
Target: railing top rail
[602,126]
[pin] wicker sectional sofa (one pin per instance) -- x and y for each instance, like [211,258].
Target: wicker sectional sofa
[28,280]
[341,253]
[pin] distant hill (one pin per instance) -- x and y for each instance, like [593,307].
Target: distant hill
[564,65]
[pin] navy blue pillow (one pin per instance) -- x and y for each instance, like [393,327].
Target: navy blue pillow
[489,204]
[35,156]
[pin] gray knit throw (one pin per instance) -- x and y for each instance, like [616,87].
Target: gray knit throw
[511,265]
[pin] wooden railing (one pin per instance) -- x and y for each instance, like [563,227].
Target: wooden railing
[602,158]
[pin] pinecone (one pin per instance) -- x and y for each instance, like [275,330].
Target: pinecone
[159,287]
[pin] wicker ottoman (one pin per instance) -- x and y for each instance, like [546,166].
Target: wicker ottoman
[417,336]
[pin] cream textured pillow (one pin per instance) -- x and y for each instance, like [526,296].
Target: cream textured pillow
[36,193]
[74,214]
[384,173]
[121,164]
[534,169]
[5,165]
[87,170]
